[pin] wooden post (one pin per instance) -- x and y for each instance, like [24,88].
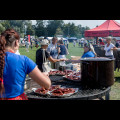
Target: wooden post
[97,40]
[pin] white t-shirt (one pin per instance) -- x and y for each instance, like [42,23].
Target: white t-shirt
[53,48]
[107,48]
[74,42]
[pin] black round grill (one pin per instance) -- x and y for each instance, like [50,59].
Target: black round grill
[83,93]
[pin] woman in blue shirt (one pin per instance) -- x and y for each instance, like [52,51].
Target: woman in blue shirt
[14,68]
[61,52]
[88,52]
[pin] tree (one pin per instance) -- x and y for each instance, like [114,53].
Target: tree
[70,30]
[30,30]
[5,23]
[52,25]
[59,31]
[1,28]
[40,29]
[82,30]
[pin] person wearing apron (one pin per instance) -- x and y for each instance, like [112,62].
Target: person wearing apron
[42,57]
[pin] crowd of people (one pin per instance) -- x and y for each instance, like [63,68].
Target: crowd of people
[27,44]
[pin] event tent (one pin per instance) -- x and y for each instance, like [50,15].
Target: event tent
[71,39]
[108,28]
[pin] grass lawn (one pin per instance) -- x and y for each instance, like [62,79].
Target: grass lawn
[77,51]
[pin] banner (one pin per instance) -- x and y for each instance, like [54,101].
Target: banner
[28,38]
[115,33]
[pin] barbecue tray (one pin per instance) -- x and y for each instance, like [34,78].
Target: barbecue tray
[49,93]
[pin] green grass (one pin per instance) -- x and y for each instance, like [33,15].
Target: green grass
[74,51]
[77,51]
[31,54]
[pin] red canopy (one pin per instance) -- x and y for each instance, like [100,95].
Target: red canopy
[109,27]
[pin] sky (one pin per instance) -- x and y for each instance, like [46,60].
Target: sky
[90,23]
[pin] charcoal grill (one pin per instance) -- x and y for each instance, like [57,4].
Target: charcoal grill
[55,78]
[82,94]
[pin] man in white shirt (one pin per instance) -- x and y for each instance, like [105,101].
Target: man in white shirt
[52,49]
[74,43]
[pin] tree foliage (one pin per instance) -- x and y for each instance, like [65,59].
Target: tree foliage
[44,28]
[2,28]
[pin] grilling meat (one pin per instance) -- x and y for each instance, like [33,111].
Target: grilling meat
[54,87]
[62,91]
[66,72]
[41,91]
[74,76]
[44,91]
[56,72]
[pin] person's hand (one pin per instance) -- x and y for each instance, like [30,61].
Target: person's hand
[46,73]
[67,59]
[63,59]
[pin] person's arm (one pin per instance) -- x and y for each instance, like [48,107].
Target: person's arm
[42,79]
[74,61]
[59,50]
[114,48]
[53,60]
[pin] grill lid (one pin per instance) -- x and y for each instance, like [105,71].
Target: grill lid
[97,59]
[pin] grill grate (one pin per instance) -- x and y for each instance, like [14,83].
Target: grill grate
[83,93]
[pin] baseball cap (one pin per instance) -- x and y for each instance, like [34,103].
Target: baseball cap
[44,42]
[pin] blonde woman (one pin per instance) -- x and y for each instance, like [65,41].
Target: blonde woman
[109,47]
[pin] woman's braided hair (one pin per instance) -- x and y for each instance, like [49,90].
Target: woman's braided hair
[6,39]
[2,61]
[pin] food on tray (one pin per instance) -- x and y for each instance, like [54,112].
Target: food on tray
[62,91]
[45,91]
[73,76]
[56,91]
[41,91]
[56,72]
[70,74]
[66,72]
[54,87]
